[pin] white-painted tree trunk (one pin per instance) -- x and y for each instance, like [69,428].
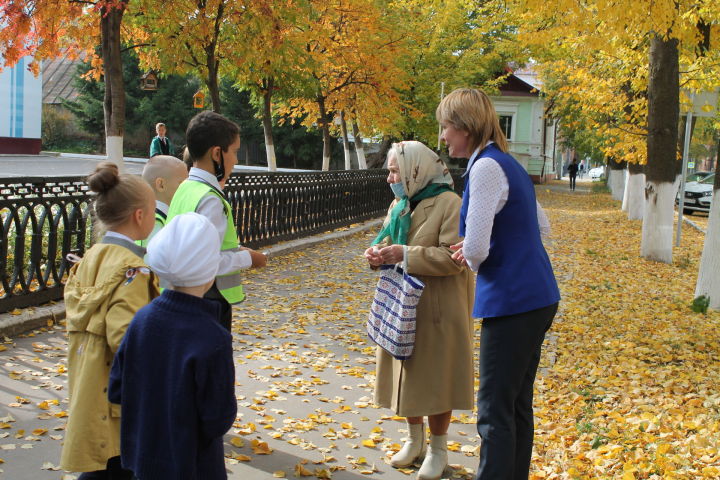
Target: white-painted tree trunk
[658,220]
[359,148]
[708,282]
[270,153]
[616,183]
[114,150]
[360,151]
[634,196]
[326,163]
[348,156]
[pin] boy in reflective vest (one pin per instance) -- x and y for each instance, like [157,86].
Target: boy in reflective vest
[164,174]
[212,144]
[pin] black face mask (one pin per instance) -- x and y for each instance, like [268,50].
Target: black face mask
[219,167]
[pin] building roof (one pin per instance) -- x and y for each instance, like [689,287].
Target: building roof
[516,87]
[58,76]
[528,75]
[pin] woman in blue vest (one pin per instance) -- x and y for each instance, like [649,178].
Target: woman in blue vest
[516,294]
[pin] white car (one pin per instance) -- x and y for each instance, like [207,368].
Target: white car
[698,195]
[596,173]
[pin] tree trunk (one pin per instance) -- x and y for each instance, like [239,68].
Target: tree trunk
[114,100]
[359,149]
[662,141]
[378,160]
[634,197]
[708,282]
[327,152]
[213,62]
[213,84]
[346,141]
[268,85]
[616,178]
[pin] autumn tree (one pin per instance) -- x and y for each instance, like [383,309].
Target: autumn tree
[275,48]
[44,28]
[463,43]
[662,35]
[204,38]
[351,53]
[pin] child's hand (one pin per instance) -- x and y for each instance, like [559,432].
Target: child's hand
[259,259]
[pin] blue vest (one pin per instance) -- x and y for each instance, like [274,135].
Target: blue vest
[516,277]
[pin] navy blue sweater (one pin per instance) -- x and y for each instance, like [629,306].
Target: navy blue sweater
[175,379]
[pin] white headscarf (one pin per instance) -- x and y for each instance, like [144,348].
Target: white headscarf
[186,251]
[419,166]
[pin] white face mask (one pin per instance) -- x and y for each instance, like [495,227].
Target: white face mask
[398,189]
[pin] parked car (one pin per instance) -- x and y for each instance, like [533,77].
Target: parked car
[697,176]
[698,195]
[596,173]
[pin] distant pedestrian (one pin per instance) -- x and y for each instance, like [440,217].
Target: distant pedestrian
[161,144]
[582,168]
[103,292]
[173,374]
[573,171]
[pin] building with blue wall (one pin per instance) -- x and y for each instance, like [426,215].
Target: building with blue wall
[21,112]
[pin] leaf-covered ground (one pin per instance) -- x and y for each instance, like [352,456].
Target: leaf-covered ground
[628,386]
[634,390]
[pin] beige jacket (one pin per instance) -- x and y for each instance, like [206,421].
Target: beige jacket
[100,303]
[438,377]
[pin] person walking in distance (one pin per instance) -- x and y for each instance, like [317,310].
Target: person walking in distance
[572,172]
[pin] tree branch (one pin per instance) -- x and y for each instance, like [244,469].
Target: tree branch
[137,46]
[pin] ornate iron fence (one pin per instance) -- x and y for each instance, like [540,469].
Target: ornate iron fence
[44,219]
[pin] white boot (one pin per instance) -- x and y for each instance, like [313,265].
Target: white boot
[413,449]
[436,459]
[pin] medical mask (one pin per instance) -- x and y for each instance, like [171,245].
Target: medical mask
[398,189]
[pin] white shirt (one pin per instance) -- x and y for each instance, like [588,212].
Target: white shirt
[489,190]
[162,206]
[212,208]
[110,233]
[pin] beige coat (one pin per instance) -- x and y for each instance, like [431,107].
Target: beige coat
[438,377]
[99,307]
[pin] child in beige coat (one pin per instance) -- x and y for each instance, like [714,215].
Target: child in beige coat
[102,294]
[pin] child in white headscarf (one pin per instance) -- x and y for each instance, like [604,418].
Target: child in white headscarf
[173,374]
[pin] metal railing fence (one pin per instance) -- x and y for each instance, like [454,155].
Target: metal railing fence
[43,219]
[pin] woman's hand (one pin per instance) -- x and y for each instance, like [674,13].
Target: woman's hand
[373,257]
[458,257]
[392,254]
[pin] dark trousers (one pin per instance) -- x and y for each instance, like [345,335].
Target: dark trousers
[113,471]
[509,358]
[572,181]
[225,318]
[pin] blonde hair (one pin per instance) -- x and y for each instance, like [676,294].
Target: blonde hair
[472,111]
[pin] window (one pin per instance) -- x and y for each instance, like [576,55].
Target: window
[506,125]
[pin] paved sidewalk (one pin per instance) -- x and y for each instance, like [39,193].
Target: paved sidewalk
[304,367]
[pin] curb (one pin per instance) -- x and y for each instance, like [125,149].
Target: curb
[302,243]
[31,318]
[34,318]
[694,225]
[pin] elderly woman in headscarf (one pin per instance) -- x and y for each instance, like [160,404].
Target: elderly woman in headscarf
[421,225]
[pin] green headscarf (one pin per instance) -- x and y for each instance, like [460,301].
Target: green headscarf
[423,175]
